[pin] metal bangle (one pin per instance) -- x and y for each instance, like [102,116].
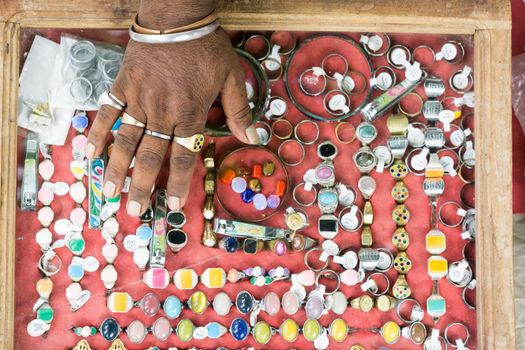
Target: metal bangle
[157,134]
[282,137]
[189,35]
[338,136]
[453,324]
[418,112]
[389,71]
[305,91]
[280,150]
[428,48]
[294,195]
[305,142]
[378,53]
[338,56]
[392,48]
[266,127]
[82,47]
[86,92]
[359,217]
[331,274]
[307,263]
[378,293]
[415,305]
[447,224]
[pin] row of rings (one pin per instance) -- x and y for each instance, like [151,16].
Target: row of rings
[193,143]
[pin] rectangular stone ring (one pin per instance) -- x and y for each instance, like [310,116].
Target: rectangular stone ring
[128,119]
[192,143]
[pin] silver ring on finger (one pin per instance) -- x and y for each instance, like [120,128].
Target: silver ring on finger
[129,120]
[106,99]
[157,134]
[116,99]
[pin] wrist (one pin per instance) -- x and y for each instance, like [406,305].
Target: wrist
[162,15]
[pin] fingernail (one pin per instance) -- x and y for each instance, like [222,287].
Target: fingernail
[109,189]
[252,135]
[174,203]
[89,150]
[133,208]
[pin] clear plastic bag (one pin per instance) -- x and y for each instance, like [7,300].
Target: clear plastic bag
[518,88]
[84,69]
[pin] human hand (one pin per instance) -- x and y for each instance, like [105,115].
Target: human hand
[170,88]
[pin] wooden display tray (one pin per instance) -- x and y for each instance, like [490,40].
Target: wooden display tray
[490,23]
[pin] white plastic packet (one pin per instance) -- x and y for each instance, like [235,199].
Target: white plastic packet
[84,70]
[34,92]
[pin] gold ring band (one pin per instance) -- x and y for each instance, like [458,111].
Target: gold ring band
[192,143]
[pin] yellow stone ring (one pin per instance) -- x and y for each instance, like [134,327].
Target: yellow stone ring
[192,143]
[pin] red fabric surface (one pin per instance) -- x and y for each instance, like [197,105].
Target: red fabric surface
[196,256]
[518,138]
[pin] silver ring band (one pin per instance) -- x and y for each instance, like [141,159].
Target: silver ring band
[157,134]
[378,292]
[429,49]
[306,262]
[378,52]
[305,91]
[464,297]
[106,99]
[331,274]
[306,142]
[448,224]
[116,99]
[129,120]
[359,217]
[415,306]
[280,149]
[304,204]
[453,324]
[189,35]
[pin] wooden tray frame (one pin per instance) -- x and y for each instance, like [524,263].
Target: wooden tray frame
[490,23]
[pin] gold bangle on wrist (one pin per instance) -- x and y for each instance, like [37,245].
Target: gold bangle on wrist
[199,24]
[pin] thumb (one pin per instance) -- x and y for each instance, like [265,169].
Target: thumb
[235,106]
